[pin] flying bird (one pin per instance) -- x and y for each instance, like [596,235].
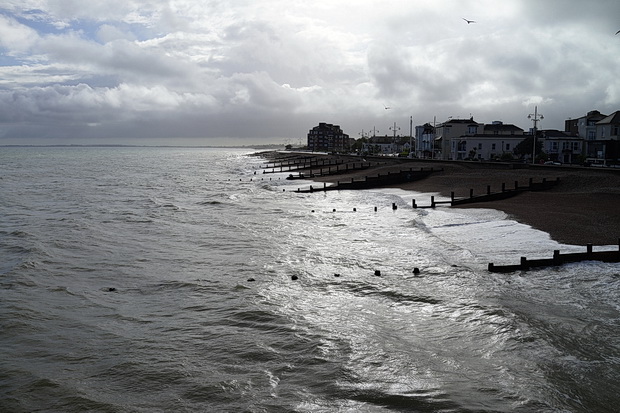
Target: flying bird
[468,21]
[618,32]
[387,107]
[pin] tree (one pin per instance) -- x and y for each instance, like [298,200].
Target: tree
[359,144]
[524,148]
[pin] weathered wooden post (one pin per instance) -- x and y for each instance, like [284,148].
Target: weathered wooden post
[503,187]
[414,205]
[524,263]
[491,265]
[471,192]
[432,201]
[452,196]
[488,189]
[589,249]
[516,184]
[556,257]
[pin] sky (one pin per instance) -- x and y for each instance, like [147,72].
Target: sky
[217,72]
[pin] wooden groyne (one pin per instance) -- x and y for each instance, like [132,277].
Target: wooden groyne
[391,178]
[493,196]
[344,169]
[313,166]
[559,259]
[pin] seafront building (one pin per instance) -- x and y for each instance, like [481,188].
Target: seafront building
[562,147]
[599,133]
[327,137]
[593,138]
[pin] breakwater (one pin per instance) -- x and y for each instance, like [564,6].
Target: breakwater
[374,181]
[489,196]
[559,259]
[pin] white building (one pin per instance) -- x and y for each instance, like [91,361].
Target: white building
[497,140]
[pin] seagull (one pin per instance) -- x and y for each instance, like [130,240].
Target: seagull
[387,107]
[618,32]
[468,21]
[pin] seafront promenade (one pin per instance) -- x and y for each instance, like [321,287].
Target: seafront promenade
[582,207]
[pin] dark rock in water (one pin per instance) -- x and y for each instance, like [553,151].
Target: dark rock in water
[336,275]
[378,273]
[111,289]
[294,277]
[416,270]
[251,279]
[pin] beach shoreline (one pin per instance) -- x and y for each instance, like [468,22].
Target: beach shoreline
[582,208]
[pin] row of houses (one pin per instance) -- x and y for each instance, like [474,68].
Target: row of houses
[594,135]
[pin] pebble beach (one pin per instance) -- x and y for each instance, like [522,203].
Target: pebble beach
[583,208]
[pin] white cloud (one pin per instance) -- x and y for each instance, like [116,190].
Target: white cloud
[276,68]
[16,38]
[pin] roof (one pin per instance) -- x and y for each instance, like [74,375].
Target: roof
[554,133]
[469,121]
[501,127]
[494,137]
[613,118]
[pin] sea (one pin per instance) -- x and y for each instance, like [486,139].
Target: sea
[160,279]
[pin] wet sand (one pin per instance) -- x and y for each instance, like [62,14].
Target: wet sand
[584,207]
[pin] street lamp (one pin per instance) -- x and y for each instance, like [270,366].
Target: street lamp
[394,128]
[411,145]
[535,118]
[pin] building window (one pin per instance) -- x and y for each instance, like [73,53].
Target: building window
[507,146]
[492,146]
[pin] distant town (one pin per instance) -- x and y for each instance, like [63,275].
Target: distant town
[591,139]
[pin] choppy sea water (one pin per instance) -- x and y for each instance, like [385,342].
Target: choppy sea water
[124,287]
